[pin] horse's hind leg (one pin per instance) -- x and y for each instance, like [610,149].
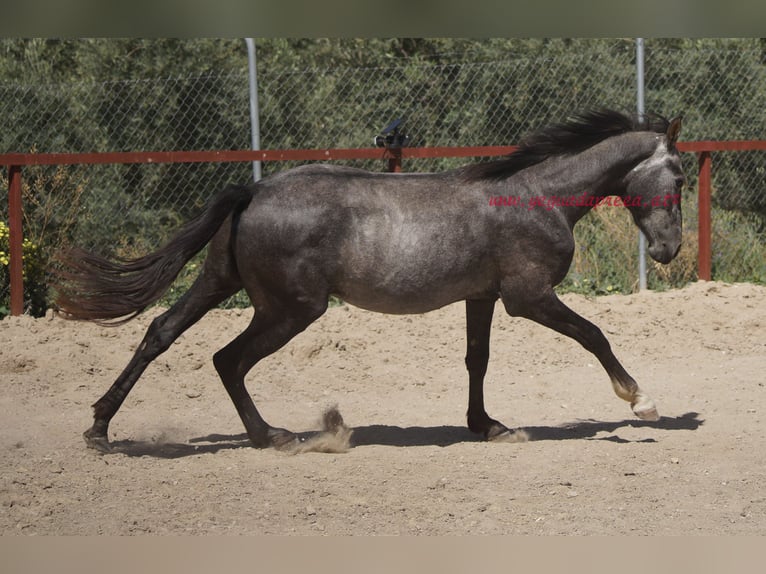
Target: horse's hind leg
[271,328]
[207,291]
[547,309]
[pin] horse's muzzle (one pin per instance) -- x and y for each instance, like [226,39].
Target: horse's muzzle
[664,252]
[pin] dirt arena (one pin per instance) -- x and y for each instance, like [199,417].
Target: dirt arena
[183,465]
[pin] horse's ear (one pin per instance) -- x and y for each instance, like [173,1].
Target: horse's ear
[673,130]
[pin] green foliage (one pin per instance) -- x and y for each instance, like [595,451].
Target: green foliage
[172,94]
[51,199]
[33,270]
[718,85]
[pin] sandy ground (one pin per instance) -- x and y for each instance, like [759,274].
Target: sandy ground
[590,467]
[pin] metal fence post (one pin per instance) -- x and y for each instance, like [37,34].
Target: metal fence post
[640,110]
[394,159]
[16,240]
[255,129]
[704,255]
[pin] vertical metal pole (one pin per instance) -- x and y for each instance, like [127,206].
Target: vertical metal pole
[255,128]
[16,240]
[640,110]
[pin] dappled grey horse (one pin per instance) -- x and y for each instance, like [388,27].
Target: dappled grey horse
[395,243]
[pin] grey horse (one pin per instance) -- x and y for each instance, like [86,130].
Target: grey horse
[395,243]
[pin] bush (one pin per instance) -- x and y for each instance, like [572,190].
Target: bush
[33,269]
[51,199]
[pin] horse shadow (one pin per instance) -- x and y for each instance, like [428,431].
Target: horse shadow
[442,436]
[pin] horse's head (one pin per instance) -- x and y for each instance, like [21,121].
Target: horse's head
[658,181]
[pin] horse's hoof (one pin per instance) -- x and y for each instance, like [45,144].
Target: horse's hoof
[645,409]
[495,430]
[508,435]
[282,439]
[97,442]
[498,432]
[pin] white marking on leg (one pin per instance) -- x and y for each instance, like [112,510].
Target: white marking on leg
[644,408]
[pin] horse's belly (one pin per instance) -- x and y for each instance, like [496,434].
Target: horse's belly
[394,306]
[406,293]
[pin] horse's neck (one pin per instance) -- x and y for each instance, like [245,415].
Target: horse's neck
[594,173]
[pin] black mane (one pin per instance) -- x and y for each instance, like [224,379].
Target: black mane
[576,134]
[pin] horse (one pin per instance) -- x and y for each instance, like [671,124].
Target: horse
[397,243]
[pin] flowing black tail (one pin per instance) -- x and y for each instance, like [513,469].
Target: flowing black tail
[91,288]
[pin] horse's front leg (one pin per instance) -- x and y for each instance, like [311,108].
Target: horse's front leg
[547,309]
[478,325]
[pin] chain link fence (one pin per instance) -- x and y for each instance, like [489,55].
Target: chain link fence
[125,210]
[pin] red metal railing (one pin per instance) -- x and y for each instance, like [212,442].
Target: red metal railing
[394,157]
